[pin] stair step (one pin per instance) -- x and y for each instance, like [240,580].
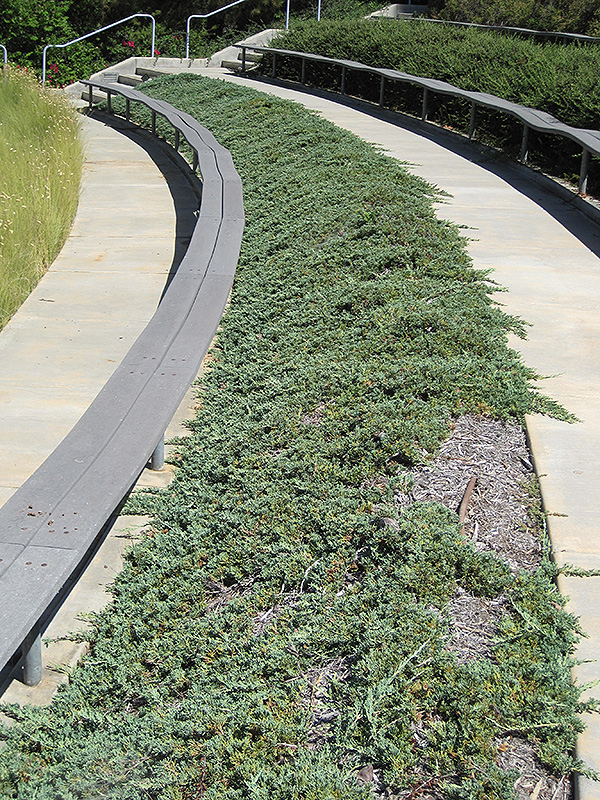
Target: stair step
[151,72]
[130,80]
[97,97]
[255,57]
[236,66]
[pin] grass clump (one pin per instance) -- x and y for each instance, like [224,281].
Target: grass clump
[282,625]
[42,157]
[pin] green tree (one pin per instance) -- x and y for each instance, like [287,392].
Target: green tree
[27,25]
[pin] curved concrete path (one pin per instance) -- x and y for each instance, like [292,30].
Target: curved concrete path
[135,214]
[547,254]
[104,287]
[73,330]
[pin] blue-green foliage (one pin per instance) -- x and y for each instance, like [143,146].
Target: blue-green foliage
[356,328]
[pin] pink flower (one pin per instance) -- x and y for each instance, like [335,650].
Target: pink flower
[157,52]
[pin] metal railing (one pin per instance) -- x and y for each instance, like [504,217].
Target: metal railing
[2,47]
[224,8]
[93,33]
[541,121]
[84,480]
[530,32]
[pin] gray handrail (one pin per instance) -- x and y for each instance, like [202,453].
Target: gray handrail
[2,47]
[204,16]
[49,525]
[224,8]
[589,140]
[534,34]
[93,33]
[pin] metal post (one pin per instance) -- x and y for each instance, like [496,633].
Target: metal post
[157,459]
[425,104]
[287,15]
[127,109]
[472,121]
[274,68]
[525,144]
[154,123]
[319,11]
[303,76]
[108,96]
[243,59]
[381,90]
[583,171]
[32,658]
[91,99]
[176,139]
[343,81]
[195,161]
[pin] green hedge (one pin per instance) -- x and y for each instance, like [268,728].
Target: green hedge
[276,564]
[559,79]
[573,16]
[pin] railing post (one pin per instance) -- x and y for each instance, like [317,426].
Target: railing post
[154,123]
[343,81]
[4,50]
[274,67]
[195,161]
[472,120]
[91,98]
[176,139]
[127,109]
[381,90]
[425,105]
[524,144]
[243,59]
[583,171]
[101,30]
[32,658]
[303,76]
[157,459]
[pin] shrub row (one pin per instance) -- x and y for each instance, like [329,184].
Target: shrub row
[574,16]
[557,78]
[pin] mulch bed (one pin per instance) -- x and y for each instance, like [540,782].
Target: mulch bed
[503,516]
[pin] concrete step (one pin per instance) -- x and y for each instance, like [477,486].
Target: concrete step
[255,57]
[130,80]
[231,53]
[236,66]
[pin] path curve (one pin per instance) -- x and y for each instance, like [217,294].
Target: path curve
[134,216]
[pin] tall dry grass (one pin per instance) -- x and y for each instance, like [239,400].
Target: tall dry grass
[41,158]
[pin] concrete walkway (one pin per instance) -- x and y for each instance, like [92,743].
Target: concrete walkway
[135,214]
[72,331]
[547,254]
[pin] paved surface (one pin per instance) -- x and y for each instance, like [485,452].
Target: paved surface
[545,252]
[547,255]
[132,223]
